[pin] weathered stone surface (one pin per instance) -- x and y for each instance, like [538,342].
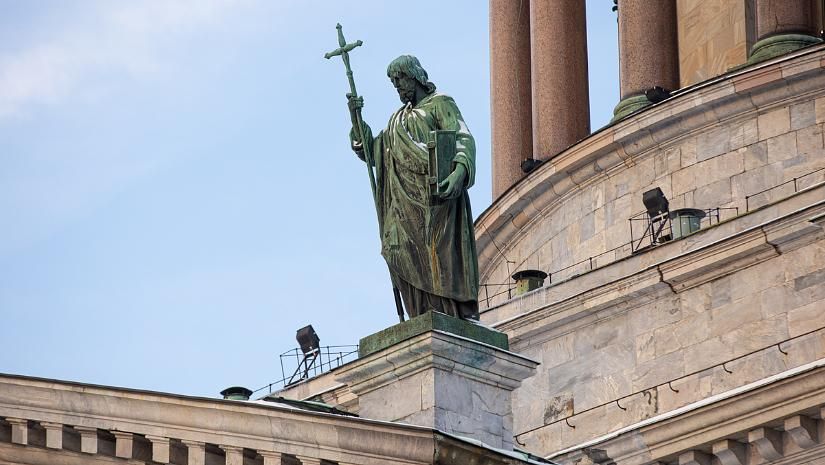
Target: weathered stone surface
[662,369]
[819,109]
[712,38]
[804,319]
[802,115]
[713,195]
[782,147]
[730,452]
[774,123]
[809,140]
[430,321]
[440,380]
[768,442]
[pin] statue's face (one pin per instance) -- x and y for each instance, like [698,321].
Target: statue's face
[405,86]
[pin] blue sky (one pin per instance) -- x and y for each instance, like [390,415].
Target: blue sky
[177,193]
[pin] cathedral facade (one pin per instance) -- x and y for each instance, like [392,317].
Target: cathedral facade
[668,304]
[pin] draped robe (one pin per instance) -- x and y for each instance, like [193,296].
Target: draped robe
[430,249]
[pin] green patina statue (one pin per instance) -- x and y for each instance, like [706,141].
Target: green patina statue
[427,242]
[424,162]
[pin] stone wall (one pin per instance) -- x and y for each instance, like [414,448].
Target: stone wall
[648,335]
[714,36]
[642,334]
[711,146]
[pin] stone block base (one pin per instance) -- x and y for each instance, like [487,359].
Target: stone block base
[441,380]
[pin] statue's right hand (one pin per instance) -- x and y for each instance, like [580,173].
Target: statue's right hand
[354,103]
[356,144]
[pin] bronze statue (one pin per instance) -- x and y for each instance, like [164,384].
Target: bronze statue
[425,221]
[428,245]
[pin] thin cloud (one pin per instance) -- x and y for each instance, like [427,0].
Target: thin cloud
[129,39]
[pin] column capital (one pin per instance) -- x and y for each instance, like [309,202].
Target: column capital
[193,444]
[160,448]
[270,457]
[124,443]
[309,460]
[85,429]
[234,454]
[196,451]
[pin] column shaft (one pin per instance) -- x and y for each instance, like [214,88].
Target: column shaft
[160,448]
[648,52]
[195,452]
[783,26]
[784,17]
[124,444]
[234,455]
[19,430]
[54,435]
[510,94]
[88,439]
[560,103]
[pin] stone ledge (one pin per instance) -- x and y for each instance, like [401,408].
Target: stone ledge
[473,359]
[430,321]
[726,416]
[755,237]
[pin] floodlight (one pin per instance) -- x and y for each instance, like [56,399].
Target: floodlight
[307,339]
[655,202]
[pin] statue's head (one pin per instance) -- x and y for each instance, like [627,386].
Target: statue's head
[409,78]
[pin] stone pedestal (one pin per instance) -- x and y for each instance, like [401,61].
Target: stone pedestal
[510,95]
[440,372]
[783,26]
[648,52]
[561,102]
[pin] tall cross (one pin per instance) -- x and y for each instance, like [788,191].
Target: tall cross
[343,50]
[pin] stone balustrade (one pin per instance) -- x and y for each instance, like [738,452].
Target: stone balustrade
[51,422]
[92,445]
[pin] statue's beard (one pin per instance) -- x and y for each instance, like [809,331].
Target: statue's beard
[406,96]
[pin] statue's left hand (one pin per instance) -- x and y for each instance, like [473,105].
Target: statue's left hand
[453,186]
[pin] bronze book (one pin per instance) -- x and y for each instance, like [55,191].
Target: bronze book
[442,145]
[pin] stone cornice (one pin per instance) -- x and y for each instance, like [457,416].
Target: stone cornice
[233,423]
[733,96]
[474,360]
[728,417]
[614,289]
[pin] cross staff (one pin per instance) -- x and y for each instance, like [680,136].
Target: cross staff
[358,123]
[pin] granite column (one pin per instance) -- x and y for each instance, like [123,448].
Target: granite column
[560,104]
[648,54]
[783,26]
[512,130]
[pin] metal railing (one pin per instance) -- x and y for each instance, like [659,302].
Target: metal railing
[297,366]
[800,182]
[645,240]
[664,225]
